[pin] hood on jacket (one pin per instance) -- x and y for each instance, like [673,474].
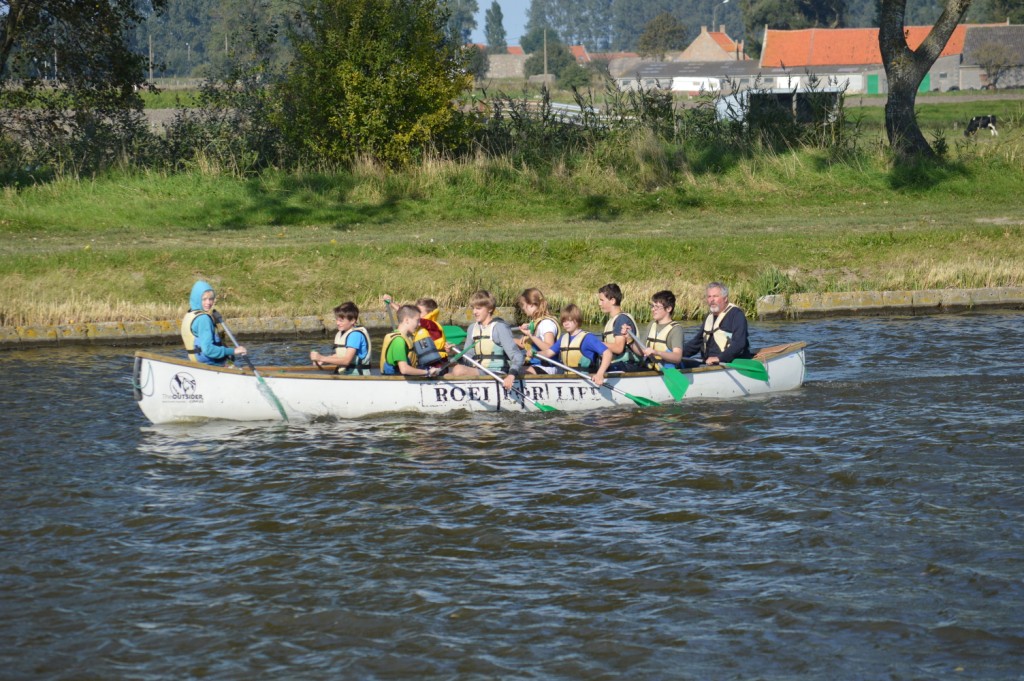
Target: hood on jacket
[195,300]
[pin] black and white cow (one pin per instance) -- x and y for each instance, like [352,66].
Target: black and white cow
[979,122]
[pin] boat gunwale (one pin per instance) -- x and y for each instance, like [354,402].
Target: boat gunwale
[764,356]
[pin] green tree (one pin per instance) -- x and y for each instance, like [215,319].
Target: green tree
[494,30]
[559,59]
[233,25]
[906,68]
[534,39]
[372,77]
[179,36]
[1001,10]
[477,62]
[584,22]
[629,18]
[788,14]
[663,33]
[461,19]
[70,78]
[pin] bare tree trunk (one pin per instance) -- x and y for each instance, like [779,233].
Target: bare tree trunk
[906,68]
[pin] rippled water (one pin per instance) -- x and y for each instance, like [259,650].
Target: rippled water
[866,526]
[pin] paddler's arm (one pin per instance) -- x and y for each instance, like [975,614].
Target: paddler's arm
[502,335]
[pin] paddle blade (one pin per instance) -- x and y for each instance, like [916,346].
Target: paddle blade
[749,368]
[675,381]
[544,407]
[454,334]
[642,401]
[267,393]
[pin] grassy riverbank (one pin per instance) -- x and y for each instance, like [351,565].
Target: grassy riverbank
[128,246]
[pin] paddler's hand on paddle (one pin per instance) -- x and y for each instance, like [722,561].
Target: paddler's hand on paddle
[598,378]
[713,360]
[509,381]
[240,350]
[315,357]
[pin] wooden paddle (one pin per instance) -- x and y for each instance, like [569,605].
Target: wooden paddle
[674,379]
[263,387]
[639,401]
[496,377]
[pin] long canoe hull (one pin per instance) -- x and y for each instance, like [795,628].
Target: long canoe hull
[171,390]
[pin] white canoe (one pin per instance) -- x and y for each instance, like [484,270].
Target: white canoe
[172,390]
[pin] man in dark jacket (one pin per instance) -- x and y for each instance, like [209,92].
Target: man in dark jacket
[723,337]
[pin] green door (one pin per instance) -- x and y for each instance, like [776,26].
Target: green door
[872,83]
[926,84]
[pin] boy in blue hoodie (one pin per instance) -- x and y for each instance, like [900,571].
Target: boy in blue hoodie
[199,329]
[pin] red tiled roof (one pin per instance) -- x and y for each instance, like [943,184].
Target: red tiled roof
[515,49]
[723,40]
[580,52]
[841,46]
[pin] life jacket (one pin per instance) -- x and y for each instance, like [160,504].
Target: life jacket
[712,332]
[359,366]
[609,334]
[485,350]
[570,350]
[391,369]
[528,345]
[189,338]
[658,340]
[429,341]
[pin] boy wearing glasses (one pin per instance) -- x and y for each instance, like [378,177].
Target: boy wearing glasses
[664,337]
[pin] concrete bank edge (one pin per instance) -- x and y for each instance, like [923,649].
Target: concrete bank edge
[879,303]
[793,306]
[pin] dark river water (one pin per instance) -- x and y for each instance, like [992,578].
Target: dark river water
[867,526]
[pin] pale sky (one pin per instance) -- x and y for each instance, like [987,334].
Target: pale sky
[514,13]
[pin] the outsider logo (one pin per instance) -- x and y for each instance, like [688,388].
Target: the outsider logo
[183,388]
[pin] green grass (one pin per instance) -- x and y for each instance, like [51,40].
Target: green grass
[129,245]
[170,99]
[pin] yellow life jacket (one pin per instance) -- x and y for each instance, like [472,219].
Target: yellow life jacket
[711,331]
[433,351]
[610,333]
[658,340]
[570,351]
[528,345]
[359,366]
[485,350]
[410,356]
[189,338]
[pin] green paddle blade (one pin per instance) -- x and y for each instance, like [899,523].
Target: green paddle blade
[544,407]
[750,368]
[454,334]
[675,381]
[642,401]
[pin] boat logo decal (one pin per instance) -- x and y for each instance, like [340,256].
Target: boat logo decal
[184,387]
